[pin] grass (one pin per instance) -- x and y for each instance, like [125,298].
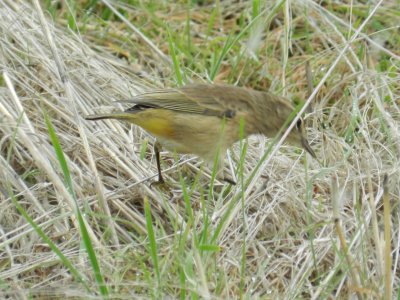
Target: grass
[78,216]
[82,226]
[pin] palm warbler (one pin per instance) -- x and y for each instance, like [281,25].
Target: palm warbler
[204,119]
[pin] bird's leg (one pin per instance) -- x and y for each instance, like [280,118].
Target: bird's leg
[222,175]
[229,176]
[157,148]
[225,176]
[228,179]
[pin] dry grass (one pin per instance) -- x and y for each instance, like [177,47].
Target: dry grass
[296,229]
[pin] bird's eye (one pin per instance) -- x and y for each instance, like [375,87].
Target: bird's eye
[299,124]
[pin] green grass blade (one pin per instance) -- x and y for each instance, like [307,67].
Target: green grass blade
[66,262]
[175,61]
[243,146]
[152,241]
[84,233]
[231,41]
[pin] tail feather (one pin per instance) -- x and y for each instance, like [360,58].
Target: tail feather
[117,116]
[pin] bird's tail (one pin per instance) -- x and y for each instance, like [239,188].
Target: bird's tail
[118,116]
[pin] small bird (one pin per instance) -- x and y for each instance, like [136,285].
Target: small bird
[204,119]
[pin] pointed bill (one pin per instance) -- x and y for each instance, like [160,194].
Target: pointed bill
[307,147]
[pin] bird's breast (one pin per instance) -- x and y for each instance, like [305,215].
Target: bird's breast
[198,134]
[158,122]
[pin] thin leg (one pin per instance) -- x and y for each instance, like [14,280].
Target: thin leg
[224,176]
[229,180]
[157,148]
[221,174]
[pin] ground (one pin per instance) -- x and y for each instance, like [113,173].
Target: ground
[79,216]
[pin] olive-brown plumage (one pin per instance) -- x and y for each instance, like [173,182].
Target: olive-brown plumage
[203,119]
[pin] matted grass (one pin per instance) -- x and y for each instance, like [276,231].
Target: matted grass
[78,216]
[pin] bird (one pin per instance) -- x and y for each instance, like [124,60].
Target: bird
[205,119]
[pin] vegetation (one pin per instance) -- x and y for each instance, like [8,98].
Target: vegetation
[78,216]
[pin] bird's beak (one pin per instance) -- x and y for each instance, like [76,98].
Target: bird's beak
[307,147]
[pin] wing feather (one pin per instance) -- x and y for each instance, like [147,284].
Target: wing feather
[203,99]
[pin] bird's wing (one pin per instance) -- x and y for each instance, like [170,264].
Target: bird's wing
[206,99]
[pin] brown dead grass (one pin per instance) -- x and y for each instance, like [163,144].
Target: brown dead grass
[278,241]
